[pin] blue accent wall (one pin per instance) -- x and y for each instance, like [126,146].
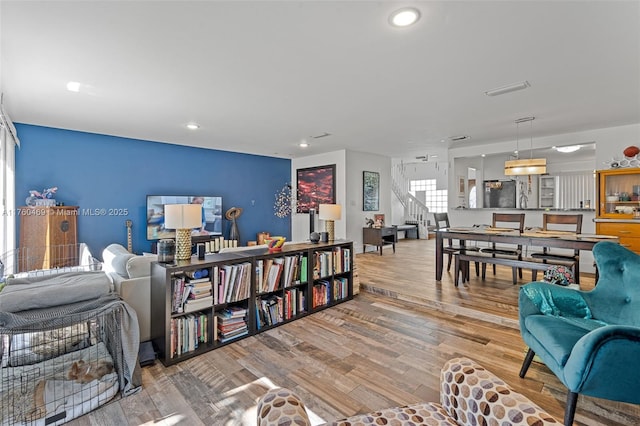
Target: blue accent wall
[110,175]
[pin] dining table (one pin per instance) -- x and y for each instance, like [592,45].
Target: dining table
[527,238]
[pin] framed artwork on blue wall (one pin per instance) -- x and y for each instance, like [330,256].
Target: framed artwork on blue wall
[370,191]
[315,186]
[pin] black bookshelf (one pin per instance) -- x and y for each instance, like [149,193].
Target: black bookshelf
[311,277]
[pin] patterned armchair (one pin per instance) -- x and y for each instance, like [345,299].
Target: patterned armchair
[469,394]
[589,339]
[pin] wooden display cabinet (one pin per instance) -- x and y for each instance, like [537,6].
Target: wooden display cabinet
[618,193]
[48,237]
[618,205]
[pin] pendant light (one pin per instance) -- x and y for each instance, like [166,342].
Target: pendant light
[522,167]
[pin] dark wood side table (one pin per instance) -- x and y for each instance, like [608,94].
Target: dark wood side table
[379,237]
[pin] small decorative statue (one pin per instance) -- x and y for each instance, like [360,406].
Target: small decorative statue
[46,194]
[368,222]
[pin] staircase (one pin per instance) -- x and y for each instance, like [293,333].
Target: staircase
[414,210]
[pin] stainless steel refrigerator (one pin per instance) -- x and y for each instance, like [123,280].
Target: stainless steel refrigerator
[500,193]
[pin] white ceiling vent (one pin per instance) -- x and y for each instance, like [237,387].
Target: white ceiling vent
[459,138]
[321,135]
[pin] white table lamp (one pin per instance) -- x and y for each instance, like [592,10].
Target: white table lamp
[329,213]
[183,218]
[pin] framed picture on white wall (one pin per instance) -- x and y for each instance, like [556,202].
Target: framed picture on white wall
[370,191]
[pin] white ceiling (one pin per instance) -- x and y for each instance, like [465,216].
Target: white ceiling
[260,76]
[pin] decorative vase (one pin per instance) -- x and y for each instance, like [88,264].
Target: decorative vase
[234,234]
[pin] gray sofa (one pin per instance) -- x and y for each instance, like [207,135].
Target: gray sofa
[130,275]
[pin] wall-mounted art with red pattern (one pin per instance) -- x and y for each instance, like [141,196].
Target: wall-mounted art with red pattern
[315,186]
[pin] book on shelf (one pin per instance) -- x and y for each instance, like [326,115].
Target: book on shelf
[187,333]
[289,304]
[198,280]
[337,260]
[197,275]
[340,288]
[232,312]
[192,305]
[193,296]
[234,282]
[303,275]
[273,274]
[321,293]
[259,274]
[177,294]
[323,264]
[231,323]
[225,339]
[346,258]
[270,310]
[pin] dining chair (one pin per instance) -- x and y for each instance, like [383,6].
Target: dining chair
[563,223]
[505,220]
[442,221]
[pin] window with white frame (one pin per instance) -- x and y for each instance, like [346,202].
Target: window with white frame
[435,199]
[7,184]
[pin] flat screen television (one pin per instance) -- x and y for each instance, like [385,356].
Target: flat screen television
[211,215]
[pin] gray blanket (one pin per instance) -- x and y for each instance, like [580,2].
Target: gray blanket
[23,294]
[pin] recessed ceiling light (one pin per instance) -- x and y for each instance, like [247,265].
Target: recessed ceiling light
[73,86]
[567,149]
[193,126]
[508,88]
[303,144]
[483,155]
[404,17]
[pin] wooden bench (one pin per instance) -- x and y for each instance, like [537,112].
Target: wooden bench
[463,258]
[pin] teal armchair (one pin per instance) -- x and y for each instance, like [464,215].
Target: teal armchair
[589,339]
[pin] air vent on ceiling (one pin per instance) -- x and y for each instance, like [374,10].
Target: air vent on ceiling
[459,138]
[424,158]
[321,135]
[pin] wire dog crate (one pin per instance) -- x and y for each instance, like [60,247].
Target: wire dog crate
[60,363]
[47,260]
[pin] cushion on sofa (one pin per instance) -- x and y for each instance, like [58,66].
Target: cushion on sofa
[139,266]
[469,395]
[473,395]
[115,258]
[426,413]
[281,406]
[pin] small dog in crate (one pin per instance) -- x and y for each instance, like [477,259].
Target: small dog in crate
[81,372]
[85,372]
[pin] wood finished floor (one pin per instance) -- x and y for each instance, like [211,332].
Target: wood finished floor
[382,349]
